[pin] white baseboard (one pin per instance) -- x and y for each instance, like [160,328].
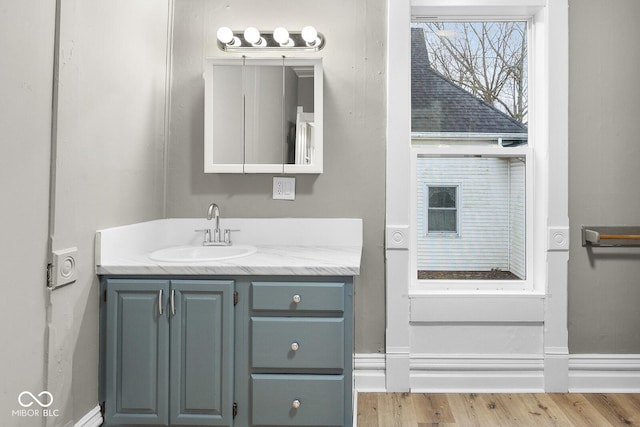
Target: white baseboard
[93,418]
[455,373]
[370,372]
[590,373]
[556,370]
[604,373]
[476,373]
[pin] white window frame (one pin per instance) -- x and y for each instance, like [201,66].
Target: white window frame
[440,233]
[536,195]
[547,301]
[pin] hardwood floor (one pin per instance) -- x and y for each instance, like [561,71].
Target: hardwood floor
[521,410]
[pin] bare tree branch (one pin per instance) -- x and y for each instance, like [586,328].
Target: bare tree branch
[488,59]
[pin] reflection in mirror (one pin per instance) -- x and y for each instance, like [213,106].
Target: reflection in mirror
[227,115]
[262,116]
[263,124]
[299,102]
[300,143]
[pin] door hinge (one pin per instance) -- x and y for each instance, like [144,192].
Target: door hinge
[235,297]
[104,295]
[235,409]
[49,275]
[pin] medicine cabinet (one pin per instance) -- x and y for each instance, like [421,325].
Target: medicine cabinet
[263,115]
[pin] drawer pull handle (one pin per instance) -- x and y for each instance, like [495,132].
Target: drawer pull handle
[295,346]
[297,299]
[295,404]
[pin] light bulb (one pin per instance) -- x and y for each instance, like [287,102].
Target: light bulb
[225,35]
[281,35]
[310,35]
[252,35]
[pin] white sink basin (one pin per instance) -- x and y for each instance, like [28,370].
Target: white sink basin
[201,253]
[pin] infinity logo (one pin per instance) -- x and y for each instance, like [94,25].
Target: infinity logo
[35,399]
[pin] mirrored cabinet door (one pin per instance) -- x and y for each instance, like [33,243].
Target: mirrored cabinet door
[303,100]
[225,119]
[264,123]
[263,115]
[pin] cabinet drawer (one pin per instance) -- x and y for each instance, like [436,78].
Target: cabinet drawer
[297,296]
[290,343]
[320,400]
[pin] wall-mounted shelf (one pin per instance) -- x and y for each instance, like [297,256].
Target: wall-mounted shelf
[597,236]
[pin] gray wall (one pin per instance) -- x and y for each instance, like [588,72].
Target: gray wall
[353,182]
[109,165]
[604,173]
[26,44]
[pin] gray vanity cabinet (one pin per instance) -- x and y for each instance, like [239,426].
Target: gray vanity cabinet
[301,353]
[239,351]
[168,352]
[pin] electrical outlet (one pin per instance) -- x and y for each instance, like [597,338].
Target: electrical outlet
[284,188]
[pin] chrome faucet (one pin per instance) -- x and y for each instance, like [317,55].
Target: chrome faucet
[214,212]
[213,239]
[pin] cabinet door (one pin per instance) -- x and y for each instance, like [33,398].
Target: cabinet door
[201,352]
[137,350]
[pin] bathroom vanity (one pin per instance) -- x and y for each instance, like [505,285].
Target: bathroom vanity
[258,339]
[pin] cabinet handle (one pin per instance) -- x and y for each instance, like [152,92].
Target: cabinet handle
[173,302]
[160,302]
[295,346]
[295,404]
[297,299]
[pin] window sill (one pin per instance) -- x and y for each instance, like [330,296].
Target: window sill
[473,287]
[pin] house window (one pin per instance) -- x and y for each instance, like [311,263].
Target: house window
[469,123]
[442,211]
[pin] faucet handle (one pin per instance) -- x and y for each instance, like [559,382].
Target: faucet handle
[207,234]
[227,234]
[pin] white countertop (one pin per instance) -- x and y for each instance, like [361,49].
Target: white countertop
[285,246]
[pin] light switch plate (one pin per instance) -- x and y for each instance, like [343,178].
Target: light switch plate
[284,188]
[64,268]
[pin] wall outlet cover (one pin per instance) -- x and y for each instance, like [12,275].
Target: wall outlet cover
[284,188]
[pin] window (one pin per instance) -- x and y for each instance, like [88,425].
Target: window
[544,157]
[469,123]
[442,212]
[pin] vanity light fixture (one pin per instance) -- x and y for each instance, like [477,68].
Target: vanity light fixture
[280,39]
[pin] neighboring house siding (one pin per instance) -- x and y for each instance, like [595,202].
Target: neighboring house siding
[482,242]
[517,255]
